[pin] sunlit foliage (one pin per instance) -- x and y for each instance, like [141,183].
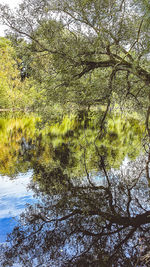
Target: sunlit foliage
[14,93]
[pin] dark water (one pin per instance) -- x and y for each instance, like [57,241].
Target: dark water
[74,192]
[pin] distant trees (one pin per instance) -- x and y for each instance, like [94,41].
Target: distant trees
[15,91]
[9,75]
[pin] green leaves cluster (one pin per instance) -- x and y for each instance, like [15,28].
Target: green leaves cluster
[15,92]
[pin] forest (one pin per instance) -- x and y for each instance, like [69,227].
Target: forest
[74,108]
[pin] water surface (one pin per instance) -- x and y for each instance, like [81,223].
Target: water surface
[74,193]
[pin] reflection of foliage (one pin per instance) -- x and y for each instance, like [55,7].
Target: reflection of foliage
[81,134]
[99,221]
[87,214]
[11,133]
[70,143]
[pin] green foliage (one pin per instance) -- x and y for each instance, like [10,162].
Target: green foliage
[14,93]
[82,56]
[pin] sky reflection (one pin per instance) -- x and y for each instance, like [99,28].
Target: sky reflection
[14,195]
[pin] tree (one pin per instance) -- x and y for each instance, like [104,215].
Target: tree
[91,48]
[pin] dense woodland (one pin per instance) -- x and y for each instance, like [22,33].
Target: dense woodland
[80,72]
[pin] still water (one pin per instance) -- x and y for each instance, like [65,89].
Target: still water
[14,195]
[74,192]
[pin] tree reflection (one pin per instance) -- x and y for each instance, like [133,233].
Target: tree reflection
[102,219]
[22,145]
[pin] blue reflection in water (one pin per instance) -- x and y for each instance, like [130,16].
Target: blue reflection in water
[14,195]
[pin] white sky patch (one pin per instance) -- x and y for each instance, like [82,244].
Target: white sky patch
[14,194]
[12,4]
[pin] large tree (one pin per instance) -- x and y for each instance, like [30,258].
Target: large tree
[86,50]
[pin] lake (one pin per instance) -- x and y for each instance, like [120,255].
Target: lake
[74,191]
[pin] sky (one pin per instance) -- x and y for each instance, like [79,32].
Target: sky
[12,4]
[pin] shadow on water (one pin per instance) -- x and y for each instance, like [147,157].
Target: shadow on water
[93,196]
